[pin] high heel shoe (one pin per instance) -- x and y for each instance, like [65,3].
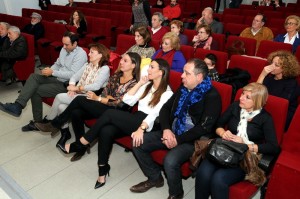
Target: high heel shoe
[74,147]
[103,171]
[65,135]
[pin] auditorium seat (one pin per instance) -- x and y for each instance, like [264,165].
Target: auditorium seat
[234,29]
[124,42]
[249,44]
[187,51]
[266,47]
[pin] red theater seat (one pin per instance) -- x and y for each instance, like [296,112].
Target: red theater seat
[124,42]
[267,47]
[249,44]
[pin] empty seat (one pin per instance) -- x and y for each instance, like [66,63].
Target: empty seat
[234,29]
[266,47]
[124,42]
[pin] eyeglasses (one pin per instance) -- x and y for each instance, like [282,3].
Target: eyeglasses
[290,24]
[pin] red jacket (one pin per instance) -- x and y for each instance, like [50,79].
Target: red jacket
[172,12]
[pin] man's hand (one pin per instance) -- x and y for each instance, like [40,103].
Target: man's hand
[47,71]
[169,139]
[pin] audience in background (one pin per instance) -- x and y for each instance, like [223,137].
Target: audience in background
[78,20]
[258,31]
[280,79]
[159,4]
[44,4]
[35,27]
[211,60]
[204,38]
[177,28]
[13,49]
[141,15]
[207,19]
[170,52]
[157,30]
[172,11]
[292,27]
[71,3]
[3,32]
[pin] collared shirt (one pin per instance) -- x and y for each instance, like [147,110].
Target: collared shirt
[68,63]
[155,30]
[287,39]
[254,32]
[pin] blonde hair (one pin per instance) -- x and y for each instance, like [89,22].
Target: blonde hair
[259,94]
[175,42]
[288,62]
[295,17]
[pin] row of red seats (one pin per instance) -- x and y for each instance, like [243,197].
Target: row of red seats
[267,13]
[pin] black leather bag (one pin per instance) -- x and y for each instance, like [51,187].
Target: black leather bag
[226,153]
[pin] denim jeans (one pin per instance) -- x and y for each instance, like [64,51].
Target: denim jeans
[172,162]
[215,181]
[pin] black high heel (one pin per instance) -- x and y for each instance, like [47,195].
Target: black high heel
[65,135]
[103,171]
[74,147]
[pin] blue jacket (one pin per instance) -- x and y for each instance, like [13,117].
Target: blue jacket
[281,37]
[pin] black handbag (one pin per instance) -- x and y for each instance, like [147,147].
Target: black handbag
[226,153]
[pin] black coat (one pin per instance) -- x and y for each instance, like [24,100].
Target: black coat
[36,30]
[15,51]
[44,4]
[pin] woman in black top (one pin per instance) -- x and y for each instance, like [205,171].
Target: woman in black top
[247,122]
[78,20]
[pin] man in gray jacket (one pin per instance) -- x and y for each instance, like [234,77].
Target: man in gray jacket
[50,82]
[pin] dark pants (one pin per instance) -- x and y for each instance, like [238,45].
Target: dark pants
[218,2]
[172,162]
[79,110]
[215,181]
[112,124]
[7,70]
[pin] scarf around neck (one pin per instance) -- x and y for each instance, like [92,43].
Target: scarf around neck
[187,99]
[168,56]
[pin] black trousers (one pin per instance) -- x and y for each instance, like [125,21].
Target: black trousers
[79,110]
[113,124]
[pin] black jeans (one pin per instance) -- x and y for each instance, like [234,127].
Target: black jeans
[172,162]
[112,124]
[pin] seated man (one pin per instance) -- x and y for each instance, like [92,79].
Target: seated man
[14,48]
[35,28]
[188,115]
[258,31]
[3,32]
[50,82]
[157,31]
[172,11]
[207,18]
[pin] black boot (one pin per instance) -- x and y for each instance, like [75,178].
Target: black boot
[75,147]
[65,135]
[103,171]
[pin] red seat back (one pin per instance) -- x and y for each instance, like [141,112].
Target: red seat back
[266,47]
[249,44]
[124,42]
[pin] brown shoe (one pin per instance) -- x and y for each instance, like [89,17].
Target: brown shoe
[179,196]
[146,185]
[47,127]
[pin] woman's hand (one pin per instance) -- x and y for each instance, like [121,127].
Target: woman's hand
[268,69]
[92,96]
[226,135]
[237,139]
[195,39]
[72,88]
[143,80]
[137,137]
[130,28]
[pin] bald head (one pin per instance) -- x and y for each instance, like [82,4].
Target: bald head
[207,15]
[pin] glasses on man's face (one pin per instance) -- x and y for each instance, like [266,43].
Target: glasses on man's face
[290,24]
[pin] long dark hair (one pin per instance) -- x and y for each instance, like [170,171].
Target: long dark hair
[102,50]
[135,59]
[165,68]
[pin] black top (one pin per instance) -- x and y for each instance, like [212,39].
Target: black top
[36,30]
[44,4]
[204,115]
[2,39]
[260,129]
[15,51]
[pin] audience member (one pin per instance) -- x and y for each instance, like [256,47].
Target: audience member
[235,3]
[218,3]
[211,60]
[93,106]
[78,20]
[172,11]
[50,82]
[157,31]
[275,4]
[71,3]
[292,27]
[142,38]
[3,32]
[257,30]
[92,1]
[188,115]
[207,18]
[44,4]
[14,48]
[91,77]
[259,134]
[141,15]
[35,27]
[159,4]
[170,52]
[177,28]
[280,79]
[204,38]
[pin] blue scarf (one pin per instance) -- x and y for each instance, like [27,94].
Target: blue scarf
[187,99]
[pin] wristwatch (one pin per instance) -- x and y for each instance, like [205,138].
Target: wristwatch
[143,127]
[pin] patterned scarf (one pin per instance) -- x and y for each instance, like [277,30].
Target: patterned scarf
[203,44]
[245,116]
[187,99]
[89,75]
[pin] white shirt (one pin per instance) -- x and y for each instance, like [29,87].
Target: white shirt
[155,30]
[143,105]
[288,41]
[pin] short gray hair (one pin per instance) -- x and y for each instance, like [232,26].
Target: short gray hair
[5,24]
[15,29]
[160,16]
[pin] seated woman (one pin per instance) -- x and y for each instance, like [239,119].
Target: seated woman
[177,28]
[92,106]
[151,92]
[91,77]
[170,52]
[211,60]
[142,38]
[78,20]
[280,79]
[292,27]
[204,38]
[259,135]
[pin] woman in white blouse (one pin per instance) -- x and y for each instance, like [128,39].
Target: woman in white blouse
[151,92]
